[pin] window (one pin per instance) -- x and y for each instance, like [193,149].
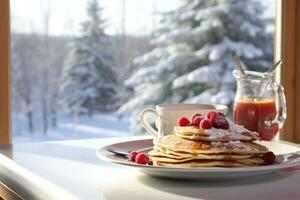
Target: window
[167,30]
[69,64]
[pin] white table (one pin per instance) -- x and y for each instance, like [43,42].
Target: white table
[70,170]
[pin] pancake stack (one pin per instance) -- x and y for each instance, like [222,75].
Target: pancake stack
[193,146]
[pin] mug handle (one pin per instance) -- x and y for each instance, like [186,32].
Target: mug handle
[281,113]
[146,125]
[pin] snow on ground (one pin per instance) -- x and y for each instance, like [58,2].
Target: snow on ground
[99,126]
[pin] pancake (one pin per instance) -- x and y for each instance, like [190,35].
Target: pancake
[234,133]
[201,164]
[248,161]
[189,130]
[186,156]
[223,138]
[212,163]
[179,144]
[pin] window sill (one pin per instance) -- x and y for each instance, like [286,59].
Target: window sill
[74,169]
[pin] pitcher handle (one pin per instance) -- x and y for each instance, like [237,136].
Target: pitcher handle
[146,124]
[281,112]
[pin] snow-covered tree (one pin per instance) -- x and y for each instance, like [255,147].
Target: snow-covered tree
[89,76]
[27,82]
[192,62]
[24,77]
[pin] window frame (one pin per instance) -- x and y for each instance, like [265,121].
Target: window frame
[290,76]
[5,76]
[287,45]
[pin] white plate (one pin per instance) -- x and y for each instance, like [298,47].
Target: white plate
[214,174]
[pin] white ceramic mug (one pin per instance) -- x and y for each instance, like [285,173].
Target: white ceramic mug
[166,116]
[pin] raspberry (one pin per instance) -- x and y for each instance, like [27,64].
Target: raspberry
[225,125]
[222,123]
[196,115]
[218,120]
[212,116]
[205,124]
[141,158]
[269,158]
[132,155]
[183,121]
[222,114]
[196,120]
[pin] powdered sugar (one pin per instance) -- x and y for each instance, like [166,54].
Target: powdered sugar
[217,133]
[234,131]
[230,145]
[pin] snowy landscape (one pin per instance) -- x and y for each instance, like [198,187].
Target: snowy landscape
[94,84]
[100,126]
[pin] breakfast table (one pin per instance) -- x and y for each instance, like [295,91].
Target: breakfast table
[70,170]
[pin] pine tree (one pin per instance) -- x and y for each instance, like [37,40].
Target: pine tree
[191,62]
[89,76]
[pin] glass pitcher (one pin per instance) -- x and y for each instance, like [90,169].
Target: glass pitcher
[259,103]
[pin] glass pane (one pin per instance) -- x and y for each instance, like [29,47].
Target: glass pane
[87,69]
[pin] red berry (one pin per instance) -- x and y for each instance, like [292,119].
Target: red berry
[196,120]
[269,158]
[212,116]
[141,158]
[132,155]
[222,114]
[196,115]
[225,125]
[205,124]
[183,121]
[218,120]
[221,122]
